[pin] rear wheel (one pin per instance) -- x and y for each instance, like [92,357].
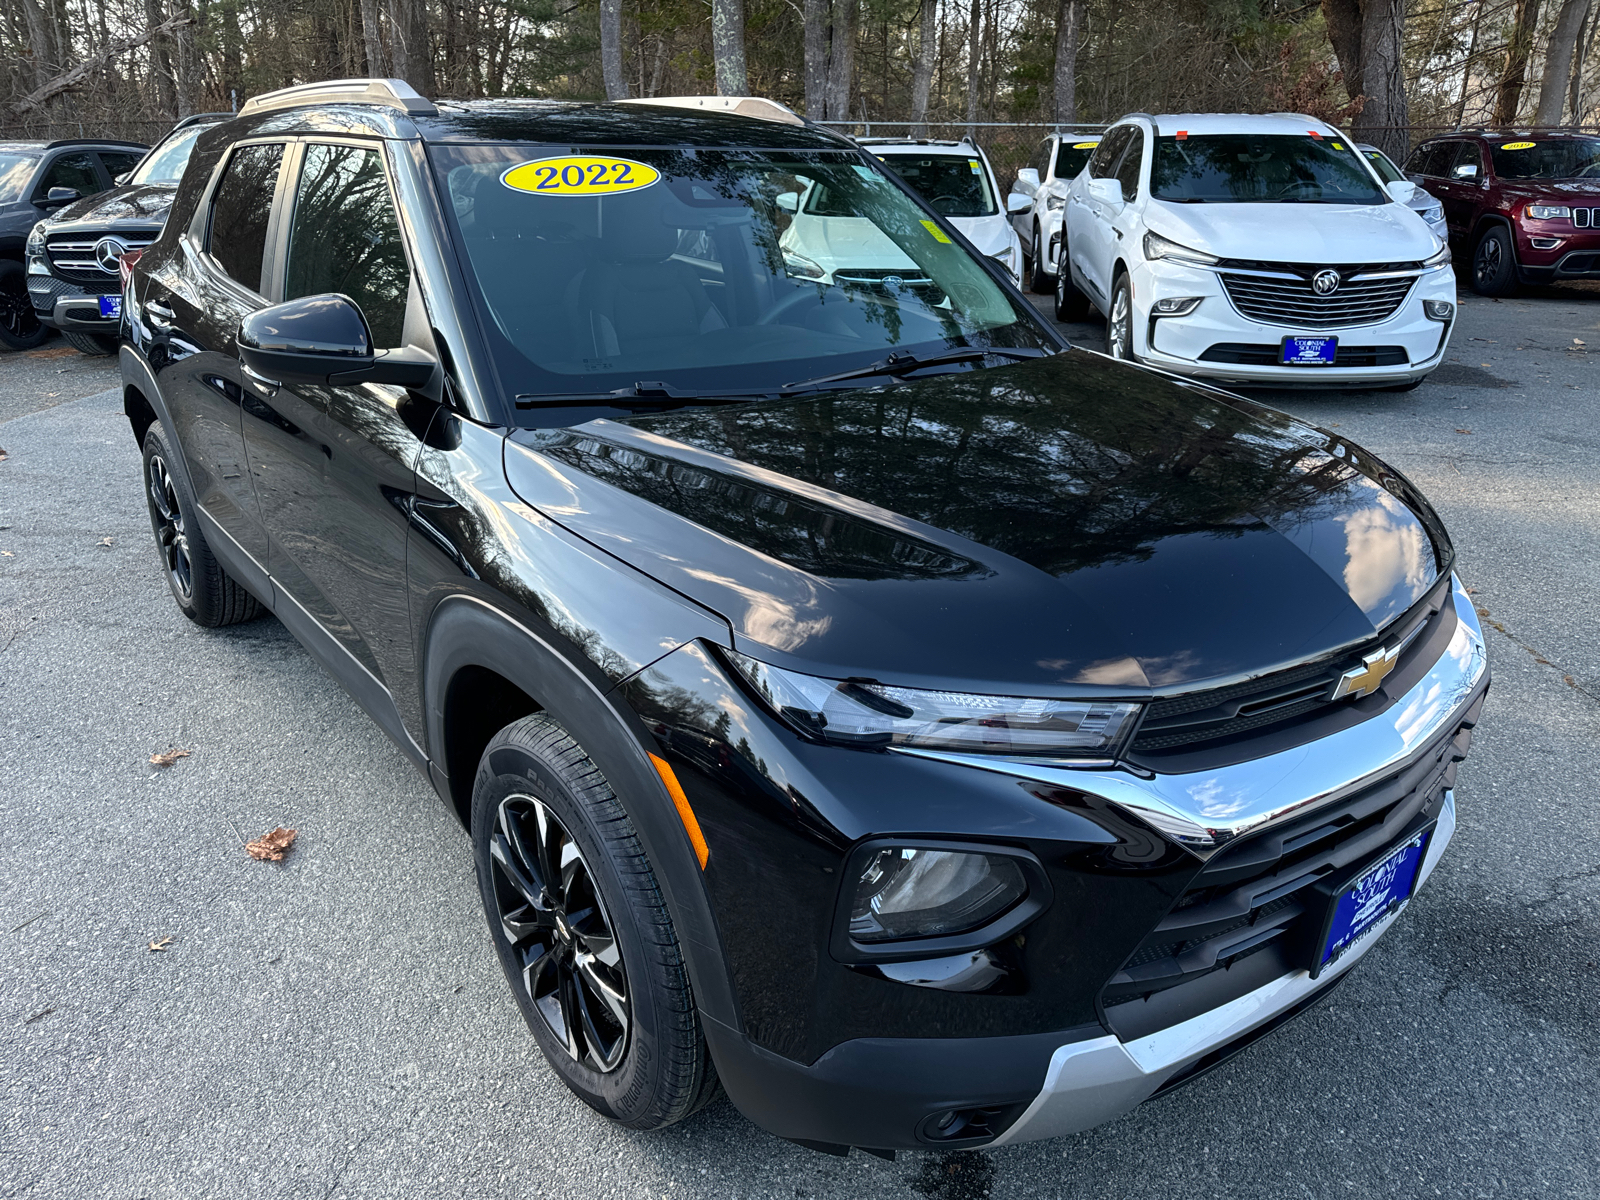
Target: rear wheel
[1119,322]
[1071,304]
[97,344]
[1494,264]
[1038,281]
[582,930]
[20,327]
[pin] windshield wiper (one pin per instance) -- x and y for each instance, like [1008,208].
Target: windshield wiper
[645,392]
[901,363]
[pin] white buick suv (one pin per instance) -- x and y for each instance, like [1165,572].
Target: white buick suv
[1253,249]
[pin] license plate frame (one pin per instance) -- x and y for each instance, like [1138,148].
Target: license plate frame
[111,306]
[1294,350]
[1352,915]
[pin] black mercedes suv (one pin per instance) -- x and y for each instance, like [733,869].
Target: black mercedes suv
[939,735]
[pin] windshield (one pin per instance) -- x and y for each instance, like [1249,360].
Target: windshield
[955,185]
[1386,170]
[1070,157]
[1565,158]
[166,162]
[709,270]
[15,171]
[1235,168]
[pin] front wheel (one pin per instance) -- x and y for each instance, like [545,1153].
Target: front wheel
[96,344]
[1494,264]
[1119,323]
[1071,304]
[1038,281]
[582,930]
[20,327]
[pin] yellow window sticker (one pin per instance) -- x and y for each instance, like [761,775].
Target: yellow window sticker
[1518,146]
[1338,145]
[939,235]
[1084,145]
[579,175]
[977,167]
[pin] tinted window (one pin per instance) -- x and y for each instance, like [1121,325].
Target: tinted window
[116,162]
[1429,159]
[240,212]
[1386,170]
[1466,154]
[1105,157]
[1233,168]
[1041,159]
[953,184]
[15,171]
[73,171]
[1567,158]
[1070,157]
[345,238]
[166,162]
[1128,168]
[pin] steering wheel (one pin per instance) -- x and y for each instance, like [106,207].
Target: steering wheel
[946,206]
[800,296]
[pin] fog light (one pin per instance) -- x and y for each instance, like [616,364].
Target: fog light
[1438,310]
[1544,243]
[1180,306]
[913,893]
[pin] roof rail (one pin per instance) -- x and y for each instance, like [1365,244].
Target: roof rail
[759,107]
[389,93]
[212,116]
[95,142]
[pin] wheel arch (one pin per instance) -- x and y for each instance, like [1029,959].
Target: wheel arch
[1485,220]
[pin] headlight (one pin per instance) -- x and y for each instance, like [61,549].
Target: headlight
[1548,212]
[799,264]
[1433,214]
[915,892]
[853,713]
[1054,203]
[1156,246]
[1440,257]
[35,252]
[1006,257]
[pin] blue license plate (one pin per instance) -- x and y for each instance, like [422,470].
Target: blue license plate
[1310,351]
[110,306]
[1376,893]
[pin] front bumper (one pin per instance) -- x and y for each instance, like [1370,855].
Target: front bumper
[1555,249]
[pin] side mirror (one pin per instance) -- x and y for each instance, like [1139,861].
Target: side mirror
[1465,171]
[57,196]
[325,339]
[789,201]
[1027,181]
[123,178]
[1402,190]
[1107,191]
[1016,202]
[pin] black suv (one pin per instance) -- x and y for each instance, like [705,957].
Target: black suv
[943,736]
[74,256]
[36,178]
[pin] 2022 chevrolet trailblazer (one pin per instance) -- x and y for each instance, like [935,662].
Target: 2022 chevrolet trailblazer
[939,735]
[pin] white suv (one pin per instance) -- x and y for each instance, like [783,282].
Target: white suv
[1037,198]
[1255,250]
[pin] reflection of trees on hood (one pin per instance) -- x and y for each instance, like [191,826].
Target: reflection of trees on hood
[1062,466]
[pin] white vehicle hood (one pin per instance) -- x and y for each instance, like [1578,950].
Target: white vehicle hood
[1303,233]
[844,242]
[991,235]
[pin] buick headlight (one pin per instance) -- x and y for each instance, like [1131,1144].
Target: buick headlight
[1440,258]
[917,892]
[1055,203]
[1156,246]
[1433,214]
[1548,212]
[35,251]
[854,713]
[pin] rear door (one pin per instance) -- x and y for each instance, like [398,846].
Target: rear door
[1090,235]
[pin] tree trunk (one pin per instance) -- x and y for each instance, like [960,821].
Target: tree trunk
[922,70]
[371,38]
[842,59]
[816,23]
[973,33]
[1508,95]
[1575,95]
[1558,57]
[727,46]
[1343,19]
[1472,58]
[44,65]
[408,44]
[161,62]
[611,50]
[1064,92]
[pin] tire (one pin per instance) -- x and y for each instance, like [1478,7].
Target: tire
[1119,321]
[204,592]
[20,327]
[1038,281]
[95,344]
[638,1057]
[1071,304]
[1494,263]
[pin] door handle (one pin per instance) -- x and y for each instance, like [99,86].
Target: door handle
[267,387]
[159,315]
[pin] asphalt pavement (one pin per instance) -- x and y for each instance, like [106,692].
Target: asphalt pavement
[336,1026]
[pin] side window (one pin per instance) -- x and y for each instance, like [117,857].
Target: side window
[344,237]
[1417,163]
[1109,152]
[1467,155]
[73,171]
[118,162]
[1041,160]
[240,211]
[1128,168]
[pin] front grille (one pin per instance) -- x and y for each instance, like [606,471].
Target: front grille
[1260,893]
[1586,218]
[1257,354]
[72,257]
[45,290]
[1285,297]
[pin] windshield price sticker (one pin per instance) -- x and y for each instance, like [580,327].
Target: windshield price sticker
[976,169]
[1518,146]
[579,175]
[938,234]
[1084,145]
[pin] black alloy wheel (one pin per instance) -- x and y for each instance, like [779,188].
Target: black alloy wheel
[582,930]
[20,327]
[1038,281]
[1494,264]
[172,534]
[554,921]
[1119,321]
[1071,304]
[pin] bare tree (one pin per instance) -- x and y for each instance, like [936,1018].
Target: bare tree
[816,64]
[1558,61]
[974,33]
[1064,94]
[842,58]
[410,55]
[922,72]
[727,47]
[1367,37]
[616,80]
[1575,105]
[1508,93]
[372,39]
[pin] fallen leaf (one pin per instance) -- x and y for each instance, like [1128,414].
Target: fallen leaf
[105,541]
[1569,681]
[1472,591]
[1542,660]
[3,454]
[271,847]
[166,758]
[160,944]
[8,553]
[1485,366]
[1579,342]
[1463,431]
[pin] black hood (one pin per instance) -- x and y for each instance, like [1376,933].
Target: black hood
[130,206]
[1059,523]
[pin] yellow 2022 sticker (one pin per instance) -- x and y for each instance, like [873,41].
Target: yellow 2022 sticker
[939,235]
[1518,146]
[580,175]
[1084,145]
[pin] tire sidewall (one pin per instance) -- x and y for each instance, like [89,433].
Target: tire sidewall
[1118,289]
[155,443]
[41,331]
[1504,278]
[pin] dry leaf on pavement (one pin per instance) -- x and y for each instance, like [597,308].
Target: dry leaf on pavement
[1463,431]
[271,847]
[160,944]
[105,541]
[166,758]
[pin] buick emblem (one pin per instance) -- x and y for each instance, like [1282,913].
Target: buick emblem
[108,252]
[1325,283]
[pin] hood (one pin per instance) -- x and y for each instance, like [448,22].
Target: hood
[1325,234]
[1571,191]
[140,206]
[1062,524]
[991,235]
[853,240]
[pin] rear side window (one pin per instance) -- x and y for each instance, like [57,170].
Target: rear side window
[1070,157]
[345,238]
[74,171]
[118,162]
[1106,156]
[241,210]
[1128,168]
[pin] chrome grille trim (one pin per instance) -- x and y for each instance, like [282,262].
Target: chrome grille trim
[1287,299]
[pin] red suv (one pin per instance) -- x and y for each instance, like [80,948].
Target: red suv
[1526,205]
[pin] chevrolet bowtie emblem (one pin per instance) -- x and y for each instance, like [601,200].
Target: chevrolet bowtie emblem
[1369,676]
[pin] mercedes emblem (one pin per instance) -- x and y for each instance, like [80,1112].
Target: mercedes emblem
[108,252]
[1325,283]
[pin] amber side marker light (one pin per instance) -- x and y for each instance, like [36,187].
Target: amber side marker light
[685,813]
